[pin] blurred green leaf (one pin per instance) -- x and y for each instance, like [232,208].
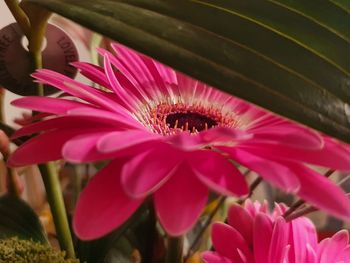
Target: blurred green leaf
[120,252]
[18,219]
[291,57]
[109,246]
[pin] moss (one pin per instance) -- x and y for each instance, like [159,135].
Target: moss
[26,251]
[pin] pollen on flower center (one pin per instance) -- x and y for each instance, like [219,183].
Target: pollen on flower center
[171,118]
[190,121]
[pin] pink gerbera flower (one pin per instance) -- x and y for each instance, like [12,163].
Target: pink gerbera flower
[173,137]
[256,236]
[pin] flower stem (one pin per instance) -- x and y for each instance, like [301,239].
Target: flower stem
[35,55]
[151,234]
[301,202]
[55,199]
[252,188]
[206,224]
[48,171]
[293,207]
[175,250]
[301,212]
[33,23]
[19,15]
[36,61]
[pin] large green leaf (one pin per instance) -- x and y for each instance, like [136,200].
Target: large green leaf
[289,56]
[18,219]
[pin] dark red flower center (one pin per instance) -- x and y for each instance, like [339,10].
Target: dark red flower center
[191,121]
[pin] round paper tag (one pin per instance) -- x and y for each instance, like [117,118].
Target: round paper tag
[15,67]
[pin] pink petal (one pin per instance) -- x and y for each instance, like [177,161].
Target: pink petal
[321,248]
[213,257]
[103,206]
[251,208]
[47,104]
[185,83]
[285,254]
[227,241]
[130,64]
[262,236]
[334,246]
[279,241]
[158,79]
[43,148]
[218,173]
[219,135]
[120,140]
[27,118]
[123,119]
[75,88]
[128,86]
[92,72]
[302,233]
[167,73]
[239,219]
[259,118]
[128,80]
[289,134]
[180,201]
[126,98]
[313,185]
[63,123]
[279,210]
[310,256]
[244,258]
[213,136]
[192,90]
[254,208]
[334,155]
[82,148]
[133,64]
[273,172]
[344,256]
[147,171]
[184,141]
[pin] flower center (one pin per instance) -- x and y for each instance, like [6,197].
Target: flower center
[169,118]
[189,121]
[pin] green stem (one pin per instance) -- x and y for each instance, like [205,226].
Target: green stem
[206,224]
[77,184]
[252,187]
[301,212]
[48,171]
[19,15]
[35,55]
[301,202]
[36,61]
[151,234]
[55,199]
[34,27]
[175,250]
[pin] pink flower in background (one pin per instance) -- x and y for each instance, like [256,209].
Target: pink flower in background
[168,135]
[255,235]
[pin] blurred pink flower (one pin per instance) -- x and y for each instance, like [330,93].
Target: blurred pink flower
[171,136]
[255,235]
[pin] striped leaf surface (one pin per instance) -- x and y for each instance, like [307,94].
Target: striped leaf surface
[289,56]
